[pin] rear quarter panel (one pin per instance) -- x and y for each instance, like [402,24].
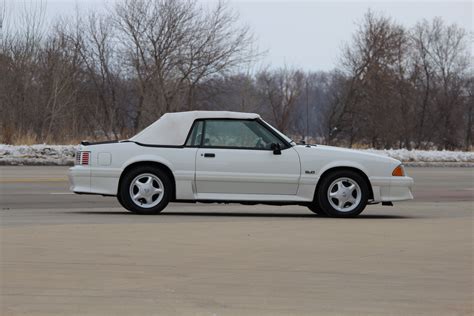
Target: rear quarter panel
[105,177]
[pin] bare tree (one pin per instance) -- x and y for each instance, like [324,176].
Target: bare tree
[3,13]
[174,45]
[95,38]
[440,51]
[281,89]
[369,65]
[236,92]
[20,48]
[58,92]
[395,87]
[469,113]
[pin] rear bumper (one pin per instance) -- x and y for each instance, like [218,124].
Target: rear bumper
[103,181]
[391,189]
[80,179]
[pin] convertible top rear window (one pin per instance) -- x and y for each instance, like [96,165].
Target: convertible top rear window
[194,138]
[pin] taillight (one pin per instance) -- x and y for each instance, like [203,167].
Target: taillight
[82,157]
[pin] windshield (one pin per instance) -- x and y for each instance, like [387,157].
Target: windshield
[292,143]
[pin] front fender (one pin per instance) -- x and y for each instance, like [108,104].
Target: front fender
[342,164]
[309,181]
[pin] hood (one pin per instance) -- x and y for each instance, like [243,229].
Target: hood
[343,154]
[354,152]
[321,158]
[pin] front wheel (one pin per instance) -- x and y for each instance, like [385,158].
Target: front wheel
[317,210]
[145,190]
[343,193]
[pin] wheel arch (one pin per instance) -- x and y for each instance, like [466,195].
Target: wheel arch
[341,168]
[148,163]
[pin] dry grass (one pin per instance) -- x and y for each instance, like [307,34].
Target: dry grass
[14,138]
[361,146]
[27,139]
[31,139]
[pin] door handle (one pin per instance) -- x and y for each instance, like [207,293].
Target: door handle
[209,155]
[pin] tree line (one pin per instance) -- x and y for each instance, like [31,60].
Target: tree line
[108,75]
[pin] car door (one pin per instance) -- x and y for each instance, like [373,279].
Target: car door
[236,157]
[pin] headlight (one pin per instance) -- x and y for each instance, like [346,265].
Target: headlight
[398,171]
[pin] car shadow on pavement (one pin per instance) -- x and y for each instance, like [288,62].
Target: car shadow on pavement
[252,214]
[244,214]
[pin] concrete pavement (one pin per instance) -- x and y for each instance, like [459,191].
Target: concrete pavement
[65,254]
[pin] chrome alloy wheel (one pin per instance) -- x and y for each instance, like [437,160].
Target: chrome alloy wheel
[146,190]
[344,194]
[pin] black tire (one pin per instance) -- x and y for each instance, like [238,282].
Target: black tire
[326,206]
[119,198]
[317,210]
[124,192]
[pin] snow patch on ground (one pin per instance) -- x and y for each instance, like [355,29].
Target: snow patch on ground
[62,155]
[406,155]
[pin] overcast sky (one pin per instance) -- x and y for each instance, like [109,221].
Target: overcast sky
[306,34]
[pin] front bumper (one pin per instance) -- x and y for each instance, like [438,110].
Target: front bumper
[391,189]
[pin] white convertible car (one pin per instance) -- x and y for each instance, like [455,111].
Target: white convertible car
[214,156]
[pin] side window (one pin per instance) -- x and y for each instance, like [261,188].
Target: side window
[238,134]
[194,138]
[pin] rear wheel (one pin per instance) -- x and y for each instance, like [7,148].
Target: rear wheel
[343,193]
[145,190]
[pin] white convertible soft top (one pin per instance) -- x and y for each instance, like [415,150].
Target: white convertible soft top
[172,128]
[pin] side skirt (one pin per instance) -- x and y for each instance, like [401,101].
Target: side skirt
[90,193]
[277,203]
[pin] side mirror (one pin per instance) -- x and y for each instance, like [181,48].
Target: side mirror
[276,148]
